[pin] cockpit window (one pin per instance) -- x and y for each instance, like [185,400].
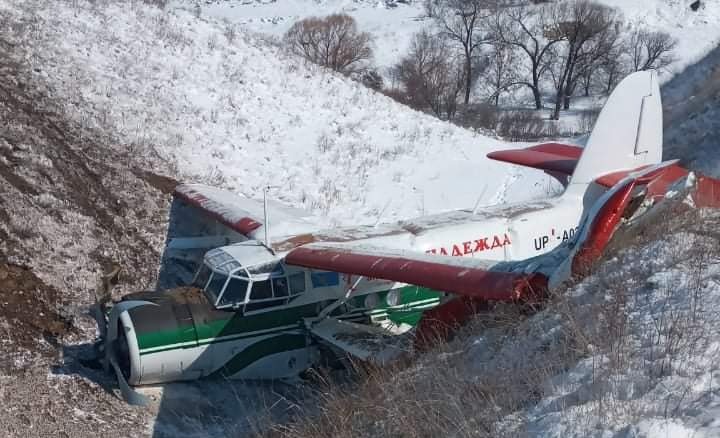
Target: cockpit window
[234,292]
[202,277]
[214,288]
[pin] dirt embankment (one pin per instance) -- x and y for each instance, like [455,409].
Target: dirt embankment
[30,322]
[73,203]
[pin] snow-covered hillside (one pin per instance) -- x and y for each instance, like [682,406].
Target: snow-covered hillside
[221,105]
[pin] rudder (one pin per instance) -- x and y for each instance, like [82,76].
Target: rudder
[627,134]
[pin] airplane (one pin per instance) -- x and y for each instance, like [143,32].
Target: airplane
[237,301]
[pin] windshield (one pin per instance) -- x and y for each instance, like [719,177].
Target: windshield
[214,288]
[202,277]
[235,292]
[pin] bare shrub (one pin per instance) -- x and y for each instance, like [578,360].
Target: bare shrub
[431,8]
[397,95]
[372,79]
[482,116]
[521,125]
[432,79]
[159,3]
[231,32]
[333,42]
[587,120]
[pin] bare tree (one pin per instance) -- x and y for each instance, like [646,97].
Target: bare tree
[430,77]
[501,73]
[333,42]
[592,54]
[524,28]
[614,65]
[651,49]
[578,22]
[463,22]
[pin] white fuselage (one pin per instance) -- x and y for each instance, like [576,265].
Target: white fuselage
[498,233]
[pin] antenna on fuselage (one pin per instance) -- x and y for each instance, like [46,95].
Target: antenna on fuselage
[266,220]
[479,198]
[382,212]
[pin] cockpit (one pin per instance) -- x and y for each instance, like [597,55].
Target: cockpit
[261,281]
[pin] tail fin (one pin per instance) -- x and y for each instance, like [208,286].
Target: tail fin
[627,134]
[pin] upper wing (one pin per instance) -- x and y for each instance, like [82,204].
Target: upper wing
[240,214]
[463,276]
[235,212]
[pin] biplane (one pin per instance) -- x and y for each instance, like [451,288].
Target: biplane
[239,299]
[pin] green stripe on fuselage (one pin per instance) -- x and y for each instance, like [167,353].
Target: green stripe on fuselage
[258,350]
[237,325]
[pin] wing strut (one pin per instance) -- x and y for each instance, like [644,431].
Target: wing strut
[349,294]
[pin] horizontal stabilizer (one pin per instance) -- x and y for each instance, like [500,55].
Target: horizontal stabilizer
[550,157]
[462,276]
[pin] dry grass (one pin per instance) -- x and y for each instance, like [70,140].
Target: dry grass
[437,395]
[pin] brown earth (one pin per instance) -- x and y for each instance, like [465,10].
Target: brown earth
[31,322]
[73,204]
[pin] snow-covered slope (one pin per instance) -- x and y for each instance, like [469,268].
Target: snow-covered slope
[692,115]
[223,106]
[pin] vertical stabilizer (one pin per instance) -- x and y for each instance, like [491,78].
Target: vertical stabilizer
[627,134]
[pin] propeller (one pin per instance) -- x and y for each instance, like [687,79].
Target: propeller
[105,349]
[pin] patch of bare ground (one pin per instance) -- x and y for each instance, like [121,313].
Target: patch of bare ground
[37,404]
[31,324]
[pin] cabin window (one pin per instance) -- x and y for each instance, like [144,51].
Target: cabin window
[297,283]
[280,287]
[261,296]
[234,292]
[261,290]
[325,279]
